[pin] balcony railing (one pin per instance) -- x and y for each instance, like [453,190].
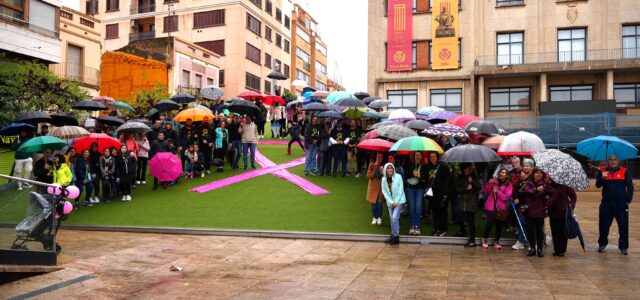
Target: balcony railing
[86,75]
[142,8]
[142,36]
[557,57]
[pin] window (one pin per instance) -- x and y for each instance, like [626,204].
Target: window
[86,22]
[112,31]
[252,82]
[221,78]
[66,15]
[198,83]
[287,69]
[508,2]
[278,15]
[403,99]
[572,44]
[258,3]
[631,41]
[41,15]
[267,87]
[449,99]
[459,53]
[113,5]
[287,46]
[305,58]
[627,95]
[209,81]
[170,24]
[268,7]
[287,22]
[267,60]
[213,46]
[571,93]
[267,33]
[208,18]
[303,34]
[91,7]
[74,62]
[431,4]
[186,78]
[253,53]
[278,40]
[302,75]
[414,51]
[321,69]
[321,48]
[415,6]
[509,99]
[321,86]
[253,24]
[510,48]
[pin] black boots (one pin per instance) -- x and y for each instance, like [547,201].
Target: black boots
[388,240]
[540,254]
[532,252]
[395,240]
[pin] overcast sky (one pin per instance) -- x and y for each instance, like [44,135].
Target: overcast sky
[343,27]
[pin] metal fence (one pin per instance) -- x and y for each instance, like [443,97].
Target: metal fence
[557,57]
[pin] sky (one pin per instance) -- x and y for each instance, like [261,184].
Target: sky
[342,24]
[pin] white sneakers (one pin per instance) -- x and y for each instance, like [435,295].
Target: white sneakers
[374,221]
[137,182]
[517,246]
[126,198]
[202,175]
[379,222]
[94,200]
[144,182]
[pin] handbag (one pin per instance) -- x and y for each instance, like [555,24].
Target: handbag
[571,227]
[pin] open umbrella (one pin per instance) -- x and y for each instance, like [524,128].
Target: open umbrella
[419,125]
[441,117]
[299,83]
[62,119]
[446,129]
[521,143]
[370,135]
[572,228]
[562,168]
[152,112]
[308,89]
[470,153]
[244,107]
[182,98]
[110,120]
[350,102]
[103,99]
[202,107]
[484,127]
[69,132]
[401,115]
[601,147]
[143,121]
[429,110]
[462,120]
[121,105]
[277,76]
[382,124]
[251,96]
[134,127]
[375,145]
[335,96]
[166,105]
[380,103]
[211,92]
[494,142]
[354,112]
[39,144]
[194,114]
[361,95]
[33,117]
[271,99]
[14,128]
[374,115]
[395,132]
[315,107]
[320,94]
[370,99]
[103,140]
[89,105]
[330,115]
[294,102]
[165,166]
[416,144]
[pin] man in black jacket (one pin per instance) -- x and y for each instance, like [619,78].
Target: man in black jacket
[43,170]
[206,137]
[235,139]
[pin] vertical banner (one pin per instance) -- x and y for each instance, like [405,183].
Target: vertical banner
[445,29]
[399,35]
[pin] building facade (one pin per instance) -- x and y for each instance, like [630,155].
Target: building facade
[333,86]
[517,56]
[309,52]
[81,49]
[251,36]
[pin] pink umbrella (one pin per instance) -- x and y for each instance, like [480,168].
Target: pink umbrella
[165,166]
[103,99]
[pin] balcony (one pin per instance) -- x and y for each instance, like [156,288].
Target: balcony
[142,8]
[552,61]
[82,74]
[137,36]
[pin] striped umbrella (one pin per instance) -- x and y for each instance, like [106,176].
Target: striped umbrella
[416,143]
[69,132]
[211,92]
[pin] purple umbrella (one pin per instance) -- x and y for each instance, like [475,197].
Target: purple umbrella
[442,116]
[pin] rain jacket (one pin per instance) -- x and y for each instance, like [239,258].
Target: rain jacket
[559,196]
[62,175]
[396,192]
[537,201]
[374,188]
[617,189]
[467,199]
[502,196]
[222,138]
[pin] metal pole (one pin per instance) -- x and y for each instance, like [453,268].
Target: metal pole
[28,181]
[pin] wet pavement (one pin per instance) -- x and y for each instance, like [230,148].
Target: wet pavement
[106,265]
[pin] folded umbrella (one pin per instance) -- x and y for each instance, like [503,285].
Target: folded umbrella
[601,147]
[134,127]
[446,129]
[484,127]
[330,115]
[471,154]
[165,166]
[182,98]
[412,144]
[89,105]
[379,145]
[33,117]
[121,106]
[244,107]
[211,92]
[69,132]
[572,228]
[401,115]
[521,143]
[166,105]
[193,114]
[419,125]
[395,132]
[562,168]
[41,143]
[110,120]
[14,128]
[62,119]
[103,140]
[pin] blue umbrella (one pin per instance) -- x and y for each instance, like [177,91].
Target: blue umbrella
[330,115]
[335,96]
[14,128]
[599,148]
[307,95]
[308,89]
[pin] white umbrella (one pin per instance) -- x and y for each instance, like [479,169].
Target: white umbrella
[211,92]
[299,83]
[521,143]
[401,115]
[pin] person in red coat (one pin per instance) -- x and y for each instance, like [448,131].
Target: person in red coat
[536,193]
[559,197]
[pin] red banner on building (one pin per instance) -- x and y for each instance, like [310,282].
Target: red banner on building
[399,35]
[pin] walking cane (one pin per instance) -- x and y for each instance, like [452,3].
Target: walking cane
[519,223]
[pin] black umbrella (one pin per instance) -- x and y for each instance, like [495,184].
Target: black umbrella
[14,128]
[33,117]
[277,76]
[350,102]
[370,99]
[110,120]
[419,125]
[135,127]
[330,115]
[243,107]
[143,121]
[89,105]
[61,119]
[166,105]
[484,127]
[572,228]
[315,107]
[470,153]
[183,98]
[361,95]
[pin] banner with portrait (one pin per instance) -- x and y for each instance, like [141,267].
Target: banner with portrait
[445,31]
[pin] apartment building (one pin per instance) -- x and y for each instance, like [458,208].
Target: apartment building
[309,54]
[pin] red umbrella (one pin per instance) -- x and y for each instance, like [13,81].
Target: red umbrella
[375,145]
[165,166]
[370,135]
[270,100]
[104,141]
[251,96]
[463,120]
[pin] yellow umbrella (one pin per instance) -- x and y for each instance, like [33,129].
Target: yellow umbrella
[195,114]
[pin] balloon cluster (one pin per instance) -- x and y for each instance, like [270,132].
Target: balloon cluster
[70,192]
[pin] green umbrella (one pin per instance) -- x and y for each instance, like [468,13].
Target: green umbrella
[39,144]
[415,143]
[121,105]
[354,113]
[374,115]
[152,112]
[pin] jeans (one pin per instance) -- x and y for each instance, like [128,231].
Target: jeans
[27,165]
[376,209]
[394,215]
[141,170]
[557,233]
[415,197]
[236,147]
[521,230]
[190,167]
[89,190]
[310,160]
[246,147]
[339,156]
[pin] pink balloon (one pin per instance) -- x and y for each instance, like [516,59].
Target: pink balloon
[67,208]
[73,192]
[54,190]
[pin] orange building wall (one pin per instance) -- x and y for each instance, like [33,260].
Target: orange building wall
[123,74]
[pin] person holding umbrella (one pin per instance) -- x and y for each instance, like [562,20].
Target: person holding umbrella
[249,132]
[206,138]
[158,146]
[467,186]
[143,158]
[560,196]
[43,169]
[519,181]
[617,193]
[393,190]
[535,195]
[437,192]
[498,191]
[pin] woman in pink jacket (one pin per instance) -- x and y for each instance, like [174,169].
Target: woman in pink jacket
[498,193]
